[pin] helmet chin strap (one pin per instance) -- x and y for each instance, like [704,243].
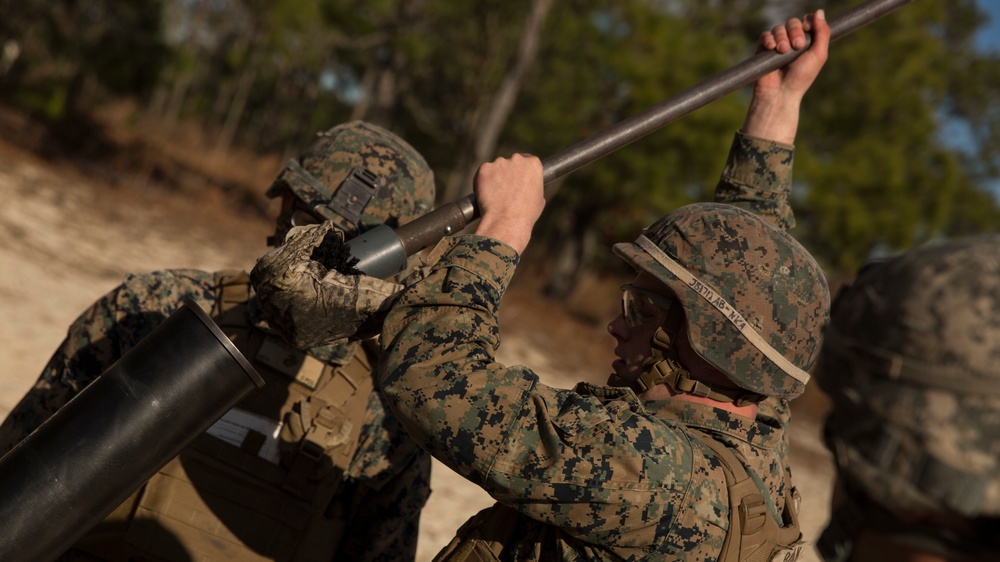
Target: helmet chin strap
[664,366]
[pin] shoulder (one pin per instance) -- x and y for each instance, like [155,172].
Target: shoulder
[165,289]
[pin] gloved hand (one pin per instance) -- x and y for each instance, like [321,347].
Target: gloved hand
[310,305]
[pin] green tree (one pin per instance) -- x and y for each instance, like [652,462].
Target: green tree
[600,65]
[876,165]
[74,53]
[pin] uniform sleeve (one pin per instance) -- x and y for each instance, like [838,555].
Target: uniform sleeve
[391,477]
[589,460]
[95,341]
[758,178]
[439,344]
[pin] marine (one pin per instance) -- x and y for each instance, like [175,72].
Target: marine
[911,361]
[312,466]
[684,454]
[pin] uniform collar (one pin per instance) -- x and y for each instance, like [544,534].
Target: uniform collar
[761,432]
[764,432]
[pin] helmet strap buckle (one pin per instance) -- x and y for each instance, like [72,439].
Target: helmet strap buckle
[664,366]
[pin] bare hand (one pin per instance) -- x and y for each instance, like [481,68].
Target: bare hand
[510,195]
[777,96]
[795,78]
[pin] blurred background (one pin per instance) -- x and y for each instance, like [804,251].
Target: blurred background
[899,141]
[142,135]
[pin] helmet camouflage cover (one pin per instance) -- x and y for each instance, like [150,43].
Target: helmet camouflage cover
[754,299]
[403,182]
[912,361]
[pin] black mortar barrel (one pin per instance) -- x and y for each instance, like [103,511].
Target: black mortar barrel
[92,454]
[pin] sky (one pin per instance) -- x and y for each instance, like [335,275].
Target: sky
[989,36]
[988,39]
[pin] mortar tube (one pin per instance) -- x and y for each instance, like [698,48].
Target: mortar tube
[106,442]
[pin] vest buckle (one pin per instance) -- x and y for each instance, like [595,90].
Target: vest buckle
[753,513]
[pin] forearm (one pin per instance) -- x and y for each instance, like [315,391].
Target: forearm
[98,338]
[774,118]
[88,349]
[777,96]
[759,177]
[41,401]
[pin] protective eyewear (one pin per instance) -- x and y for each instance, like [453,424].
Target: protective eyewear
[302,216]
[641,306]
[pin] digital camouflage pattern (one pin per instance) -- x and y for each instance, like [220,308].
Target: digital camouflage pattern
[615,476]
[912,361]
[307,303]
[758,178]
[406,183]
[786,299]
[591,473]
[764,273]
[387,482]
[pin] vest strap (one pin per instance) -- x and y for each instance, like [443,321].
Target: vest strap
[753,535]
[283,500]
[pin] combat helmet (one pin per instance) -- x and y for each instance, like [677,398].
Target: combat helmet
[754,300]
[358,176]
[911,360]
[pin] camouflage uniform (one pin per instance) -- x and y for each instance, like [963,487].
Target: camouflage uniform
[590,473]
[269,503]
[911,360]
[387,482]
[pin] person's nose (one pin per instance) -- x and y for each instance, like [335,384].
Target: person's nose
[618,328]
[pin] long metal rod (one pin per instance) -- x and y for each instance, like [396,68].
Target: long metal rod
[633,128]
[453,217]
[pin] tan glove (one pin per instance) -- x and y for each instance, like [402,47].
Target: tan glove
[309,305]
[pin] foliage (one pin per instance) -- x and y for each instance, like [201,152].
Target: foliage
[898,141]
[877,167]
[634,55]
[69,48]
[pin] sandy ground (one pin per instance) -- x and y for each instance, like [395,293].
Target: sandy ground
[66,239]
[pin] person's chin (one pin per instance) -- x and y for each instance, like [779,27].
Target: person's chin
[618,367]
[622,371]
